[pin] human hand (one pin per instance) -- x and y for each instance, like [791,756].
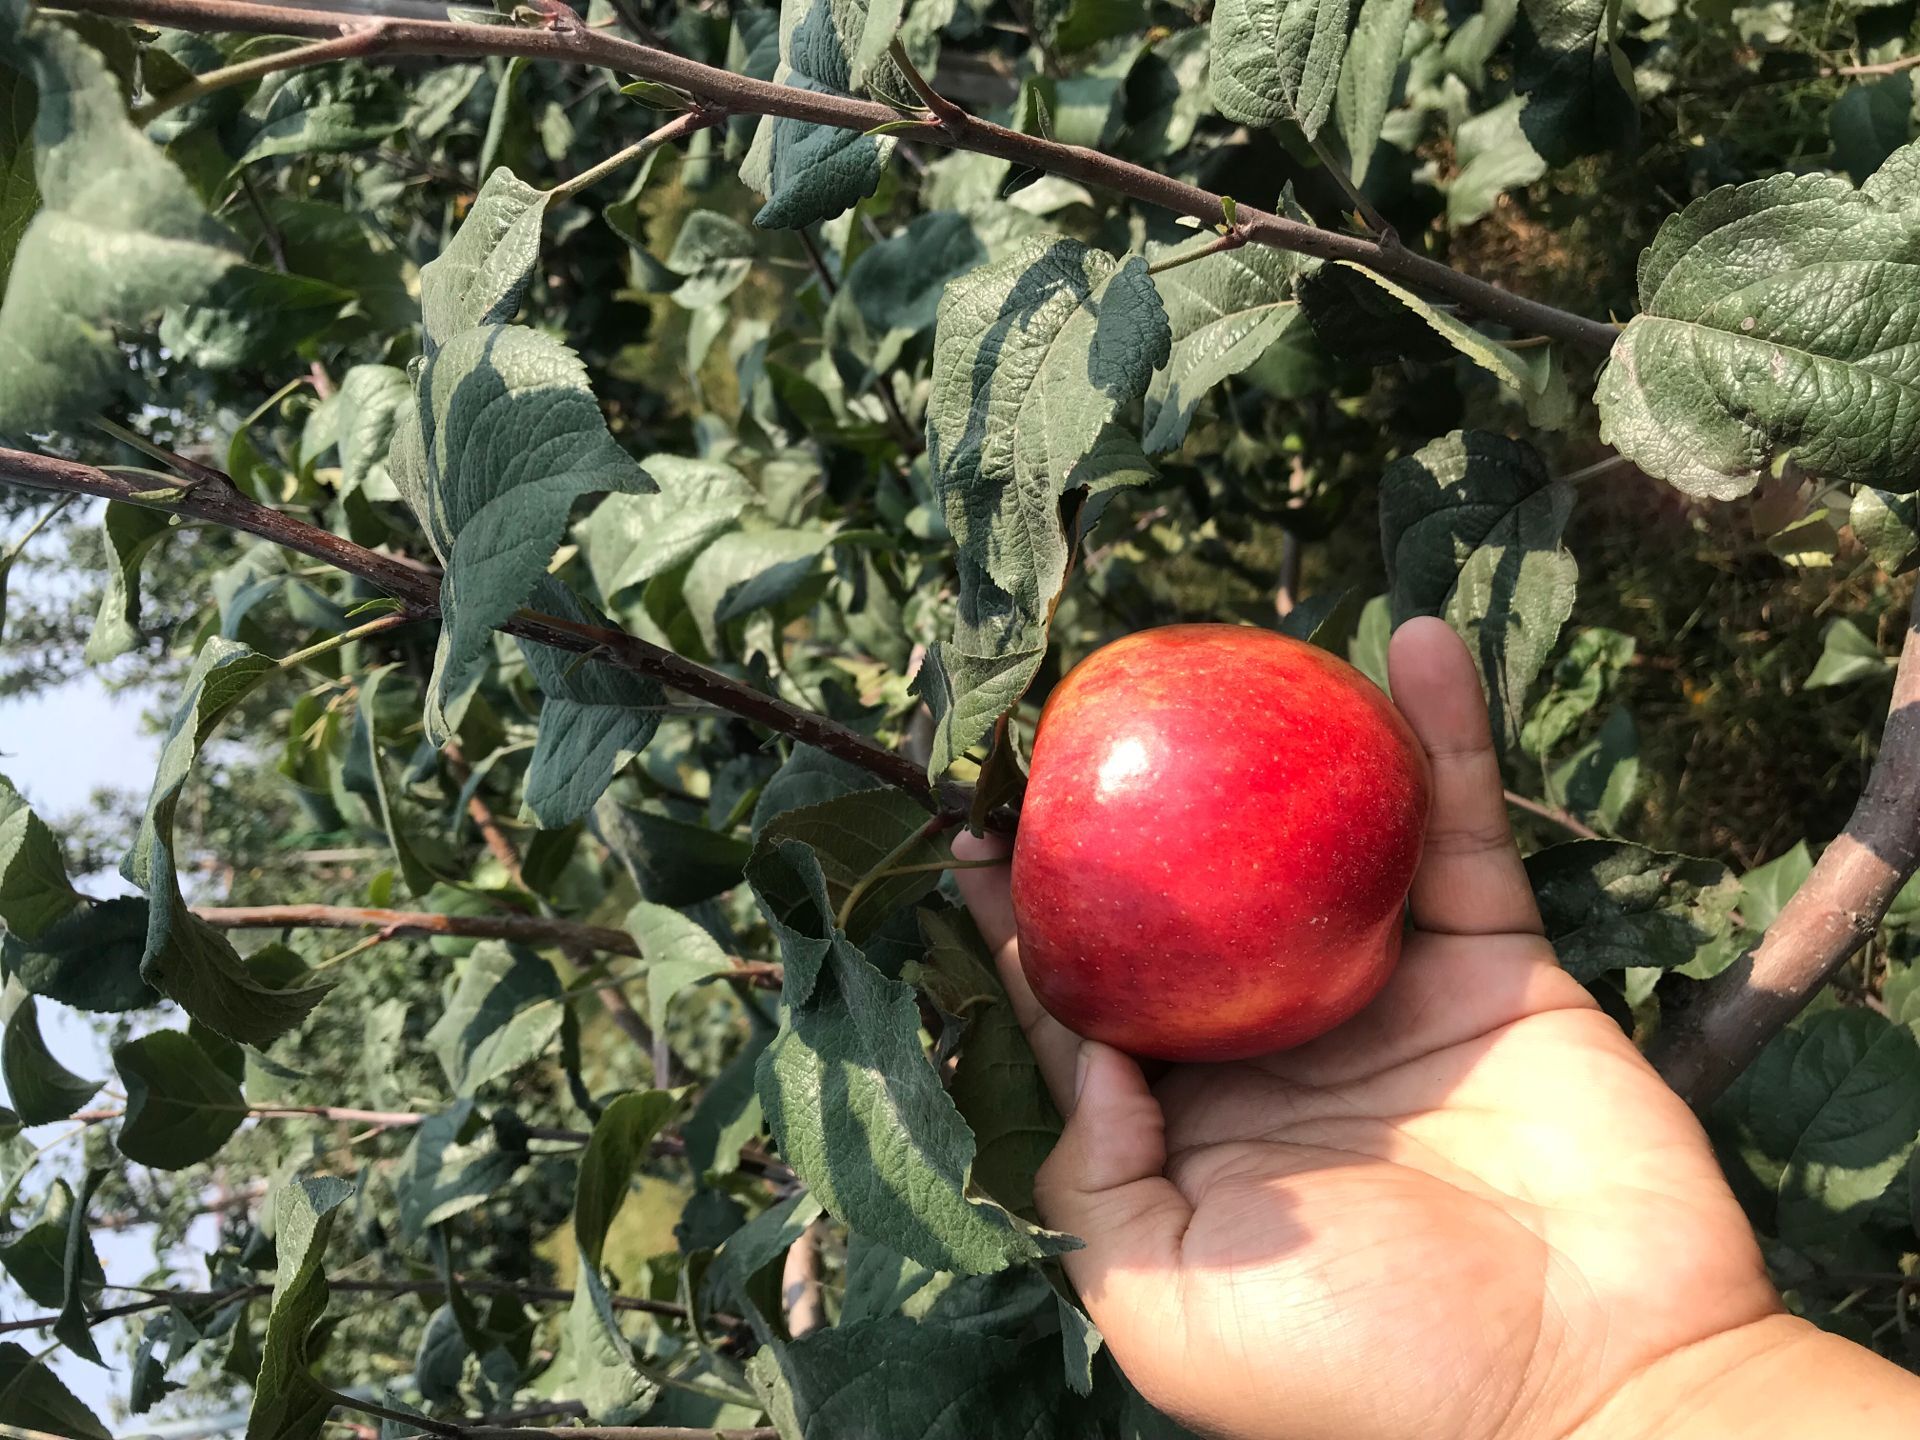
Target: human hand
[1472,1212]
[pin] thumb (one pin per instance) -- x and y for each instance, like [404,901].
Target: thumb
[1104,1183]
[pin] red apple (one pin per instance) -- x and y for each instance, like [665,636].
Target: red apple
[1219,831]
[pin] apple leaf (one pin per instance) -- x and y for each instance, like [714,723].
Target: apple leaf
[288,1403]
[1609,905]
[181,1105]
[1780,315]
[33,1396]
[504,1012]
[1578,86]
[1034,355]
[855,1105]
[34,889]
[1888,525]
[1278,60]
[131,531]
[41,1088]
[1472,526]
[1366,78]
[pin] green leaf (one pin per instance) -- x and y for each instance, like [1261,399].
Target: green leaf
[251,315]
[119,236]
[1579,87]
[370,402]
[1825,1119]
[1888,525]
[36,1258]
[288,1403]
[1503,364]
[896,283]
[1494,156]
[34,890]
[33,1396]
[714,253]
[1278,60]
[1582,677]
[1033,357]
[363,772]
[593,714]
[503,439]
[1224,311]
[131,531]
[40,1087]
[186,959]
[1600,778]
[1780,315]
[504,1013]
[1847,655]
[325,110]
[814,172]
[456,1161]
[1472,526]
[1366,78]
[746,571]
[678,953]
[857,1109]
[1870,121]
[672,863]
[851,837]
[605,1374]
[1765,889]
[761,1241]
[629,539]
[996,1085]
[19,197]
[1609,905]
[181,1105]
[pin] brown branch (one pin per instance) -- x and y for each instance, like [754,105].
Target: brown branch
[221,504]
[568,41]
[1570,823]
[1709,1040]
[522,929]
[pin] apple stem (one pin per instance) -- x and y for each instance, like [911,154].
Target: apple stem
[936,825]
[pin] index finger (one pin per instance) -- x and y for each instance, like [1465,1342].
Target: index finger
[989,896]
[1470,881]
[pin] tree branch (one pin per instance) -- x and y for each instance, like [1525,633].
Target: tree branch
[1708,1041]
[524,929]
[569,41]
[419,586]
[1572,824]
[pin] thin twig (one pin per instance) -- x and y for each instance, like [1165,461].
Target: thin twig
[678,128]
[566,39]
[1232,240]
[1331,164]
[949,116]
[1572,824]
[356,44]
[1704,1043]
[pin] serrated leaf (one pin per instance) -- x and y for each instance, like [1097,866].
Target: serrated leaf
[1780,315]
[1366,78]
[809,172]
[631,538]
[851,838]
[504,1012]
[33,1396]
[370,401]
[745,571]
[1472,528]
[1847,655]
[1494,156]
[996,1085]
[325,110]
[1824,1119]
[40,1087]
[503,439]
[185,958]
[604,1371]
[119,236]
[1033,357]
[678,953]
[714,254]
[34,889]
[1581,679]
[455,1162]
[181,1105]
[1765,889]
[1579,96]
[1888,525]
[131,531]
[35,1259]
[19,197]
[761,1241]
[896,283]
[672,862]
[251,315]
[1223,312]
[1277,60]
[1496,359]
[857,1109]
[288,1403]
[1609,905]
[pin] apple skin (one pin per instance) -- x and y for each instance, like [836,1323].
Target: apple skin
[1220,828]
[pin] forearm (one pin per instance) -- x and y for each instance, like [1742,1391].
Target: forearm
[1776,1377]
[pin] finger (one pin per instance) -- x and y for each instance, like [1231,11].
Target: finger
[1470,881]
[989,896]
[1104,1183]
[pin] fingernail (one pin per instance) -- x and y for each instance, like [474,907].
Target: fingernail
[1080,1059]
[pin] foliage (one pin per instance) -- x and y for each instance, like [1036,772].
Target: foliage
[870,422]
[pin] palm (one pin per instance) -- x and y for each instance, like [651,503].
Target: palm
[1472,1211]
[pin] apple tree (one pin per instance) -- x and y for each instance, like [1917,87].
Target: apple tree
[624,483]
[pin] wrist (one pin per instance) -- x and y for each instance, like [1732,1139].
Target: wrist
[1779,1375]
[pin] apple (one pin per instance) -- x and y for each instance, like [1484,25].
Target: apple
[1220,828]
